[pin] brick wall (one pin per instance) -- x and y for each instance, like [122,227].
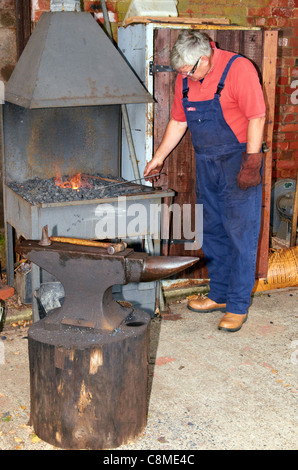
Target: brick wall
[8,51]
[270,14]
[37,9]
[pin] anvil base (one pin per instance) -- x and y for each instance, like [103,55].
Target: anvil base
[89,389]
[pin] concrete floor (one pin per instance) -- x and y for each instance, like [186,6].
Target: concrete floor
[209,389]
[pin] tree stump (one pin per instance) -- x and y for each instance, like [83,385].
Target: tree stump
[89,388]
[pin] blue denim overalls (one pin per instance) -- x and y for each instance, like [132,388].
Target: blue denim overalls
[231,216]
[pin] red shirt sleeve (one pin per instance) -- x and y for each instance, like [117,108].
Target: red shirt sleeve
[177,112]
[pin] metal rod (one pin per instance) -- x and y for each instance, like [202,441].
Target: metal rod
[130,181]
[106,18]
[132,153]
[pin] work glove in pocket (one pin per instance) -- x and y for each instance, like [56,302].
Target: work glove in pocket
[250,172]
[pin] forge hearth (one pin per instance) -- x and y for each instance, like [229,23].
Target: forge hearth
[75,188]
[80,219]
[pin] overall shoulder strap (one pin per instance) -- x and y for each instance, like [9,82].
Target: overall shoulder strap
[221,83]
[185,88]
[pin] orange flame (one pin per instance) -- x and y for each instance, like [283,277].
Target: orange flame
[72,183]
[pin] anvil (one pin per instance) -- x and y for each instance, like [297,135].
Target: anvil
[88,275]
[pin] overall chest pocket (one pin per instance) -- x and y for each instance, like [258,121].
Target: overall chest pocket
[202,127]
[203,114]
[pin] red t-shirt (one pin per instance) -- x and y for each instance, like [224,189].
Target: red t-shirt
[241,99]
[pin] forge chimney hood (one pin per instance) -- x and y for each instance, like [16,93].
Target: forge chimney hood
[70,61]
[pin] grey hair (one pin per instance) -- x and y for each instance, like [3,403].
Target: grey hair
[189,47]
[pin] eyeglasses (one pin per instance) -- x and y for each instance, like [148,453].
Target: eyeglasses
[192,71]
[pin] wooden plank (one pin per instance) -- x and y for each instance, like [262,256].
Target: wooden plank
[269,80]
[162,104]
[161,84]
[251,46]
[178,20]
[228,40]
[162,111]
[249,43]
[23,24]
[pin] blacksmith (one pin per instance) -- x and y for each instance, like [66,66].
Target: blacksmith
[218,96]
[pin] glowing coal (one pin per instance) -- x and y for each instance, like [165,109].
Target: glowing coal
[74,188]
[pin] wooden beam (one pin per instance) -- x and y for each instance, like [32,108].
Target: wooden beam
[23,24]
[269,84]
[178,20]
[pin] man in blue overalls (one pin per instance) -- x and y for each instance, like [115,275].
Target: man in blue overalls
[218,96]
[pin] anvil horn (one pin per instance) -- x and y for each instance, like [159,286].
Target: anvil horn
[160,267]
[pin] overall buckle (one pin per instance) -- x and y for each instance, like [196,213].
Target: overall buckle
[219,89]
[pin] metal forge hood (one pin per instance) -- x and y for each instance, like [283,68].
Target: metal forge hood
[70,61]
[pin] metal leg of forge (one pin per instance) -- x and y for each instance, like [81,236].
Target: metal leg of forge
[89,358]
[9,247]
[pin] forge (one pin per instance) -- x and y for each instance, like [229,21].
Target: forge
[62,117]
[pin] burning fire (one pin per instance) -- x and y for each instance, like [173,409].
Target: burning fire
[73,183]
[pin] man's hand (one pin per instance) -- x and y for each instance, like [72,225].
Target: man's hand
[172,136]
[152,168]
[250,172]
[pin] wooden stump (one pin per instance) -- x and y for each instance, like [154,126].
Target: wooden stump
[89,389]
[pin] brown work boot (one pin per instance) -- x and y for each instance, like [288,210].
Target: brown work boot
[232,322]
[205,305]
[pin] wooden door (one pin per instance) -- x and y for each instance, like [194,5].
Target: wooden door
[258,46]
